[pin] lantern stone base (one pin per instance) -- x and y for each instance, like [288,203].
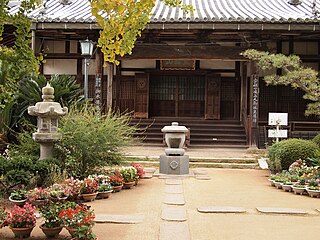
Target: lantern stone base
[176,165]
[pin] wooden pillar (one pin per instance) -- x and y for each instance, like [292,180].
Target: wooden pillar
[254,107]
[98,78]
[33,41]
[109,85]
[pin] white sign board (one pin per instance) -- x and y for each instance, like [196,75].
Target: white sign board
[280,119]
[276,133]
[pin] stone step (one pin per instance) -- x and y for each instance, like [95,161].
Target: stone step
[202,132]
[197,159]
[206,165]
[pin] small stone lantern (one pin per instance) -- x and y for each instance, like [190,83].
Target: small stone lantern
[174,162]
[48,113]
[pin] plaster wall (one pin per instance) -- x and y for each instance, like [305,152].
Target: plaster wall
[60,66]
[74,46]
[50,46]
[304,48]
[143,63]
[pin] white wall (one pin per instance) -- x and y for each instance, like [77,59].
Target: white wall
[74,46]
[304,48]
[50,46]
[138,63]
[60,66]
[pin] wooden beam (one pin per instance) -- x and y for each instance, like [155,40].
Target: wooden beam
[161,51]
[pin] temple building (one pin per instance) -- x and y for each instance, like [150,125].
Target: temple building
[188,68]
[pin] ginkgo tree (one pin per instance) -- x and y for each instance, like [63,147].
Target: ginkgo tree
[122,22]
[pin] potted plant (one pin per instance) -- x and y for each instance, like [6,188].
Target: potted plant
[300,186]
[129,175]
[74,185]
[38,196]
[105,190]
[18,197]
[59,192]
[3,216]
[78,220]
[116,180]
[313,188]
[89,189]
[286,185]
[101,178]
[140,171]
[22,220]
[52,225]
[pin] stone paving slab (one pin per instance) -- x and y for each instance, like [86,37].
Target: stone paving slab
[173,181]
[149,170]
[281,210]
[174,199]
[147,176]
[124,219]
[173,189]
[174,214]
[171,176]
[203,177]
[174,231]
[200,171]
[221,209]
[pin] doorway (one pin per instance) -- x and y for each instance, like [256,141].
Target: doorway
[177,96]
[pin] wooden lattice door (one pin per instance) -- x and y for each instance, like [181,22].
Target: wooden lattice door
[177,96]
[141,104]
[213,83]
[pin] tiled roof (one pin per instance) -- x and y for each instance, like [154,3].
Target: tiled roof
[210,11]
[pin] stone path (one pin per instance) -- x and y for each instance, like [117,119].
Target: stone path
[174,225]
[212,209]
[218,209]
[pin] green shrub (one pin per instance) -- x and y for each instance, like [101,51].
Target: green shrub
[316,139]
[92,140]
[283,154]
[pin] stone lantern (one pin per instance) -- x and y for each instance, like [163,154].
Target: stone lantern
[174,162]
[48,113]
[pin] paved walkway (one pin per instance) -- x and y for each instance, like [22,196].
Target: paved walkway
[197,209]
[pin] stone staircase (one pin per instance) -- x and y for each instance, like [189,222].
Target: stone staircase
[238,163]
[203,133]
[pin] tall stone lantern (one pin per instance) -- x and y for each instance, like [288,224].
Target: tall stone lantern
[48,113]
[174,162]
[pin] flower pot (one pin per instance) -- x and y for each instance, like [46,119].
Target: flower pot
[271,182]
[72,231]
[117,188]
[89,197]
[39,202]
[313,193]
[73,197]
[18,202]
[22,232]
[128,185]
[51,232]
[287,188]
[136,181]
[278,185]
[105,194]
[298,190]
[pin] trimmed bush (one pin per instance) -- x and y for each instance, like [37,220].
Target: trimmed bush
[283,154]
[316,139]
